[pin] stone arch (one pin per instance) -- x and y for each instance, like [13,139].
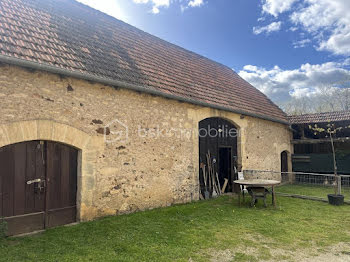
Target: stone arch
[89,147]
[285,161]
[239,136]
[220,136]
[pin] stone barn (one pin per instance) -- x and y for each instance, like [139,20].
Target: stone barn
[100,118]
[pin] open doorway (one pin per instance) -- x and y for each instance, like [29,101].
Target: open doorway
[225,166]
[284,166]
[218,151]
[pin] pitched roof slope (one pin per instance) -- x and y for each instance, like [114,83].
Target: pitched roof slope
[69,35]
[320,117]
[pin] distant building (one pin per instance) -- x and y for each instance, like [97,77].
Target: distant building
[312,151]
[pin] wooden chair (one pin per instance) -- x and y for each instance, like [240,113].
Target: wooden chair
[243,188]
[256,193]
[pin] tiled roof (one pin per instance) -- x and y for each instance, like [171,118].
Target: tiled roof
[320,117]
[69,35]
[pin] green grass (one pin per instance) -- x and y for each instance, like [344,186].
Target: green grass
[310,190]
[194,231]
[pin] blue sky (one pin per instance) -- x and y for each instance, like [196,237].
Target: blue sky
[285,48]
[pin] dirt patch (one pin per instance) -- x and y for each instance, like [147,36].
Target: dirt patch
[337,253]
[266,253]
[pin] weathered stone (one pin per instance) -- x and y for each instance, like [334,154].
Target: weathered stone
[70,88]
[97,121]
[128,172]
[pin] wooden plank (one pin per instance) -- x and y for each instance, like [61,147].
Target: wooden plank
[62,171]
[61,216]
[24,223]
[8,182]
[39,195]
[65,175]
[20,152]
[30,175]
[73,176]
[224,186]
[2,152]
[51,174]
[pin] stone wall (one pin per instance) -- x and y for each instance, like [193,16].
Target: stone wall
[146,168]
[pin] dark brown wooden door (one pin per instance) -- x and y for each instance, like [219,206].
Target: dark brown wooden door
[29,182]
[61,184]
[23,201]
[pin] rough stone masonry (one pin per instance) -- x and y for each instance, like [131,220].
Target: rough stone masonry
[148,168]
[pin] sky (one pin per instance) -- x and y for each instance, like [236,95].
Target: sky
[285,48]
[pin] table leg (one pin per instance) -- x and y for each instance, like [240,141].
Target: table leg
[239,197]
[273,197]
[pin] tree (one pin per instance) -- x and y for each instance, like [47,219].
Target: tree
[331,131]
[329,97]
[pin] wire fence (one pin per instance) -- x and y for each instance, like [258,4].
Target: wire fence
[304,185]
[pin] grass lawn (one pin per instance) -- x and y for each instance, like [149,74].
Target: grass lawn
[198,231]
[311,190]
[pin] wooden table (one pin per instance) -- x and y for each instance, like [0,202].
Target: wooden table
[263,183]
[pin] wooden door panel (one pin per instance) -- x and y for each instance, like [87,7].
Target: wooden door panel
[21,205]
[40,172]
[19,154]
[30,175]
[62,184]
[30,206]
[25,223]
[61,216]
[73,178]
[7,164]
[2,172]
[65,175]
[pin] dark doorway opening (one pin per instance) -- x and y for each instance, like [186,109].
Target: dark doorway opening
[225,166]
[284,166]
[217,138]
[38,185]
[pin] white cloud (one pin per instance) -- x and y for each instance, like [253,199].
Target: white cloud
[281,85]
[273,27]
[275,7]
[157,4]
[326,21]
[194,3]
[301,43]
[329,20]
[107,6]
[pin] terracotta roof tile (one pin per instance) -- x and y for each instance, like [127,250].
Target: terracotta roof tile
[320,117]
[70,35]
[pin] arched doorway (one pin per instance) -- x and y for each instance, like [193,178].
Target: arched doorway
[38,185]
[284,166]
[217,137]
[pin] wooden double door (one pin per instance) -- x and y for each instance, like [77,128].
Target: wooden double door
[38,185]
